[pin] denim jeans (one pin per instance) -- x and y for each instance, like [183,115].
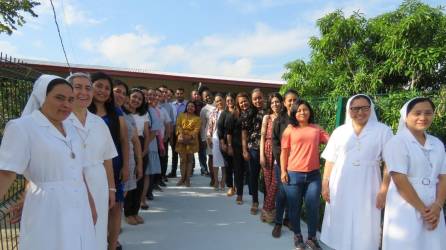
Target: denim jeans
[202,156]
[281,202]
[304,186]
[254,174]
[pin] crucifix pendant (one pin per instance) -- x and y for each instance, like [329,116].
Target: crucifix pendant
[72,155]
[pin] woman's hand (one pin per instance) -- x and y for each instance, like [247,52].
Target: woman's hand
[432,215]
[284,177]
[381,199]
[230,151]
[125,173]
[262,160]
[16,210]
[111,199]
[326,190]
[246,155]
[223,147]
[139,173]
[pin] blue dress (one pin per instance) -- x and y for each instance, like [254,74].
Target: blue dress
[117,161]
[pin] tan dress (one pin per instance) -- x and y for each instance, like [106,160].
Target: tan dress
[188,125]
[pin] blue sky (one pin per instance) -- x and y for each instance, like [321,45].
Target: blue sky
[235,38]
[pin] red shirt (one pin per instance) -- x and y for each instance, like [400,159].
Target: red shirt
[303,144]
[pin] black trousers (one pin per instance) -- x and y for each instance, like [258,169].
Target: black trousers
[174,155]
[229,169]
[132,201]
[164,159]
[239,169]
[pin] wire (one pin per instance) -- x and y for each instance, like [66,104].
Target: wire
[60,36]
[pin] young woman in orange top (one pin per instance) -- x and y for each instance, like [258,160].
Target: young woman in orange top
[300,173]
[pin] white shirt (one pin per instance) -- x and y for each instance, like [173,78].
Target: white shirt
[140,120]
[165,119]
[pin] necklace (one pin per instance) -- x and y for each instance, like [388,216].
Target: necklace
[84,140]
[70,146]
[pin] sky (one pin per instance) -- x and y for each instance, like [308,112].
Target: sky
[232,38]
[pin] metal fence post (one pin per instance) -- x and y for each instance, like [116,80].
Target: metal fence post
[340,111]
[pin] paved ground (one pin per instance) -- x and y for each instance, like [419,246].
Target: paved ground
[200,218]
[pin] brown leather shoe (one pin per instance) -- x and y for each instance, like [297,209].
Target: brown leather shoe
[287,223]
[254,208]
[277,231]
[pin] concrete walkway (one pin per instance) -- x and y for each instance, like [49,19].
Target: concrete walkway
[200,218]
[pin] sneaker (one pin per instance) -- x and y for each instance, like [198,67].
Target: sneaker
[313,244]
[162,184]
[299,242]
[157,188]
[277,231]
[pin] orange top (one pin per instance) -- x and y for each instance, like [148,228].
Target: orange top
[303,143]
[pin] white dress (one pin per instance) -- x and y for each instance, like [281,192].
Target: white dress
[351,219]
[98,145]
[403,224]
[56,214]
[217,156]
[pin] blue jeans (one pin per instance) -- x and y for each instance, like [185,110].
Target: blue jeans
[254,174]
[306,187]
[202,156]
[280,198]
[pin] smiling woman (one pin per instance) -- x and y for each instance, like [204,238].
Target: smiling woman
[46,149]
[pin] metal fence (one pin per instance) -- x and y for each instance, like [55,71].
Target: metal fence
[16,82]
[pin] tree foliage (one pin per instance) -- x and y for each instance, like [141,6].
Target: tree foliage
[402,49]
[11,12]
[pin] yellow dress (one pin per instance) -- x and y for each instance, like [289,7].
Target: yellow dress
[188,125]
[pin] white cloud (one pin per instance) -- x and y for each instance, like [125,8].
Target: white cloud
[75,15]
[8,48]
[213,54]
[130,49]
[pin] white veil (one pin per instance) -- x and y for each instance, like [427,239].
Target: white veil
[403,115]
[38,95]
[372,118]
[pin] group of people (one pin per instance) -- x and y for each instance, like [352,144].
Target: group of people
[93,149]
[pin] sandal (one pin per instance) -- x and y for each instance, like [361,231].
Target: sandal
[239,200]
[254,208]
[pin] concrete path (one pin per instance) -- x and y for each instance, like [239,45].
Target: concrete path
[200,218]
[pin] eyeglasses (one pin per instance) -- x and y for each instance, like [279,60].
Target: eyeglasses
[362,108]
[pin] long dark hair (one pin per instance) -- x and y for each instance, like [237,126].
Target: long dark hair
[110,107]
[142,109]
[288,92]
[270,98]
[293,121]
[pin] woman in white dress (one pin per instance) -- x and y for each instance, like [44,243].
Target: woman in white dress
[99,151]
[417,164]
[214,142]
[58,213]
[351,184]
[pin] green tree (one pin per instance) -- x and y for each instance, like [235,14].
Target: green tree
[402,49]
[11,12]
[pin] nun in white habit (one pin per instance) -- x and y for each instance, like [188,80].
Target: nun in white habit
[352,186]
[99,150]
[413,217]
[44,147]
